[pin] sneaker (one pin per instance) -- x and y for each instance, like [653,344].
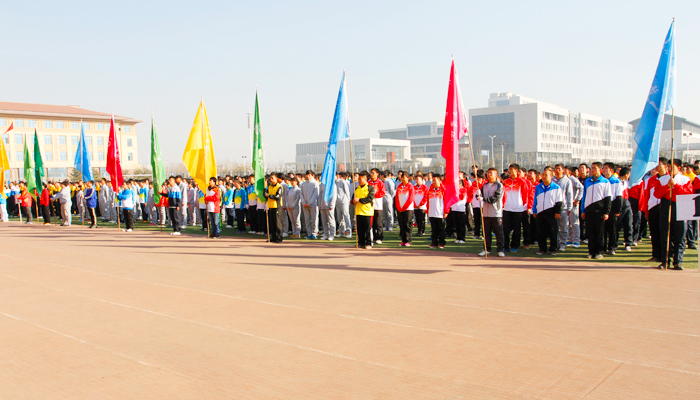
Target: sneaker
[175,233]
[229,226]
[459,241]
[46,223]
[378,241]
[285,235]
[215,237]
[585,241]
[402,244]
[634,244]
[330,239]
[432,246]
[661,266]
[562,248]
[407,245]
[575,245]
[539,253]
[526,247]
[501,254]
[569,243]
[324,237]
[252,232]
[441,247]
[552,253]
[599,257]
[678,267]
[588,256]
[611,252]
[391,229]
[628,248]
[314,237]
[513,250]
[348,236]
[484,253]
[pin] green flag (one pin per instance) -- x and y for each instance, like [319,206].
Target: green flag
[156,163]
[29,168]
[38,164]
[258,155]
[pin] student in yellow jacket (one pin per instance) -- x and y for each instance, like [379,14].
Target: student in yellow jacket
[274,193]
[364,210]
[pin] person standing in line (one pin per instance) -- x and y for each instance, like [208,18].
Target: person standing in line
[126,196]
[293,204]
[24,200]
[517,196]
[670,186]
[182,185]
[309,203]
[327,214]
[274,194]
[64,198]
[91,203]
[420,199]
[437,213]
[575,211]
[105,200]
[595,209]
[228,205]
[363,200]
[45,202]
[637,199]
[212,201]
[240,201]
[343,204]
[625,221]
[529,222]
[174,205]
[192,204]
[458,214]
[405,204]
[474,197]
[388,203]
[3,203]
[202,209]
[252,204]
[546,208]
[652,208]
[567,204]
[379,193]
[491,194]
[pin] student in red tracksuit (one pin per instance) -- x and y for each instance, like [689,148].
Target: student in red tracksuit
[652,208]
[637,199]
[25,201]
[405,196]
[517,194]
[45,202]
[681,184]
[377,220]
[437,212]
[420,199]
[476,204]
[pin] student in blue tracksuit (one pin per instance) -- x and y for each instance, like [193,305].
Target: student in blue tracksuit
[595,209]
[91,202]
[546,208]
[174,205]
[240,202]
[126,196]
[228,204]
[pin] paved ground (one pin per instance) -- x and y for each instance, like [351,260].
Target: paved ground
[96,314]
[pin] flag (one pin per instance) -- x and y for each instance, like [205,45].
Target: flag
[340,130]
[114,166]
[38,164]
[258,167]
[82,159]
[156,162]
[29,169]
[199,151]
[4,161]
[661,98]
[455,128]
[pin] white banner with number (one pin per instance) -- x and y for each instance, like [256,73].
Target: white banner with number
[688,207]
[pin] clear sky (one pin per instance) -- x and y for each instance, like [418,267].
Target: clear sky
[125,57]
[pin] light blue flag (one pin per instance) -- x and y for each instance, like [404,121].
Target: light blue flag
[662,97]
[82,161]
[339,131]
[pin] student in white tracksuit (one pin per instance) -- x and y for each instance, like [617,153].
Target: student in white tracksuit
[309,204]
[327,212]
[564,183]
[390,192]
[574,213]
[103,200]
[64,197]
[293,204]
[342,204]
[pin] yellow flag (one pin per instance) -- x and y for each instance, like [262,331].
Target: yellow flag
[4,164]
[199,152]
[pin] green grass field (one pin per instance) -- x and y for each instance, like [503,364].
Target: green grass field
[638,256]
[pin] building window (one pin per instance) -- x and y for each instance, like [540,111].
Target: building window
[90,155]
[86,125]
[62,140]
[100,141]
[74,140]
[19,156]
[75,125]
[64,156]
[48,156]
[6,138]
[100,126]
[3,122]
[31,123]
[59,124]
[19,123]
[130,157]
[47,139]
[88,140]
[128,142]
[18,139]
[100,156]
[127,129]
[48,124]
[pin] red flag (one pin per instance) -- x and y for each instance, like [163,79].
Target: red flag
[12,126]
[455,128]
[114,166]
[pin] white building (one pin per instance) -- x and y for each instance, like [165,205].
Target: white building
[686,138]
[426,140]
[534,133]
[366,153]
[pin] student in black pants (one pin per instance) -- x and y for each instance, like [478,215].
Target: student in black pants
[596,202]
[363,200]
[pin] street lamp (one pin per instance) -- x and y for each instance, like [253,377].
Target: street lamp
[503,145]
[245,170]
[492,137]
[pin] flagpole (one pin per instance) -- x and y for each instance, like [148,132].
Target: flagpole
[471,150]
[352,164]
[670,196]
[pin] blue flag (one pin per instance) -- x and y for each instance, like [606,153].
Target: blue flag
[339,131]
[82,161]
[662,97]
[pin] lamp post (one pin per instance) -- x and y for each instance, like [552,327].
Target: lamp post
[245,169]
[503,145]
[492,137]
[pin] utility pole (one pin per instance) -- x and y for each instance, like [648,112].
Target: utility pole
[492,159]
[503,145]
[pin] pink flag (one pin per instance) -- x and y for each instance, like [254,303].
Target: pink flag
[455,129]
[114,166]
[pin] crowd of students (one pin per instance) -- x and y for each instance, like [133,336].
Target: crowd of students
[554,208]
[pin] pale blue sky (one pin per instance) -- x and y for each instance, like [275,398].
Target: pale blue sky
[597,57]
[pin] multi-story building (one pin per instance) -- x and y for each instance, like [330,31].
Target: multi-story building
[686,138]
[535,133]
[58,129]
[426,140]
[366,153]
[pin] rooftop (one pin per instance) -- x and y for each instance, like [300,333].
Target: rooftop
[31,109]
